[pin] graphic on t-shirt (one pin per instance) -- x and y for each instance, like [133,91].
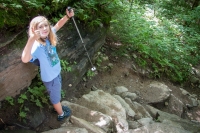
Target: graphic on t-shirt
[51,54]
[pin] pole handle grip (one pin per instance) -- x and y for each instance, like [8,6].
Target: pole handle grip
[69,8]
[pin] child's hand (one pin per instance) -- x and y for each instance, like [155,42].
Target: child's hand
[70,14]
[35,34]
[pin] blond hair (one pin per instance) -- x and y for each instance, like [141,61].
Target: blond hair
[34,23]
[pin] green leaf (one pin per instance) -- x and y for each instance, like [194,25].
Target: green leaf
[38,103]
[10,100]
[23,96]
[22,114]
[21,101]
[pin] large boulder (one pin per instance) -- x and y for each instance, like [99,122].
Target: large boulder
[104,102]
[156,92]
[14,75]
[158,128]
[95,118]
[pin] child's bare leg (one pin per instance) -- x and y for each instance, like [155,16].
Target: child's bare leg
[58,108]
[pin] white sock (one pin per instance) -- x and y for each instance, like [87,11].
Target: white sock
[62,114]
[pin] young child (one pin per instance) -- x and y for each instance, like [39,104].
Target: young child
[41,46]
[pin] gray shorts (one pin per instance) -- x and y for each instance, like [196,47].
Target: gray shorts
[54,89]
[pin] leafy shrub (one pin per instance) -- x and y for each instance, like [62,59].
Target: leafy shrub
[18,13]
[152,31]
[65,66]
[10,100]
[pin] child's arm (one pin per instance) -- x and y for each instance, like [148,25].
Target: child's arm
[63,20]
[26,54]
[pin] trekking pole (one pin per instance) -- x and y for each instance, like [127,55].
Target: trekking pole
[93,67]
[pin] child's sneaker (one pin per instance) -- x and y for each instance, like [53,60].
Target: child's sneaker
[66,114]
[65,108]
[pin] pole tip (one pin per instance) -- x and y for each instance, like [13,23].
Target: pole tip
[93,68]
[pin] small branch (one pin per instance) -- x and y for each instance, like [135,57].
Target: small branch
[21,126]
[2,121]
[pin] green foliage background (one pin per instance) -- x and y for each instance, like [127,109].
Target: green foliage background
[163,35]
[18,13]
